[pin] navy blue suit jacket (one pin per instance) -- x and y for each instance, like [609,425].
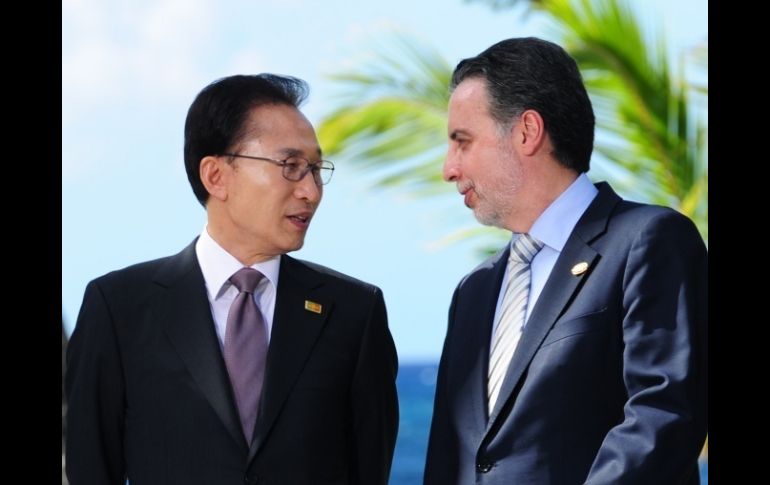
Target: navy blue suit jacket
[608,384]
[150,398]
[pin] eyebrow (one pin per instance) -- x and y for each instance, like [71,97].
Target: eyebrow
[293,152]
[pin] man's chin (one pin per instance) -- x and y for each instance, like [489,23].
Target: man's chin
[492,220]
[295,245]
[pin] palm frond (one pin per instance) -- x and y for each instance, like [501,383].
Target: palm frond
[651,141]
[393,116]
[637,98]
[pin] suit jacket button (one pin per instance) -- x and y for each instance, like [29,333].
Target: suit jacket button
[483,466]
[250,479]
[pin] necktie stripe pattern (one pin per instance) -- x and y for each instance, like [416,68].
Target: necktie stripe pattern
[245,348]
[513,311]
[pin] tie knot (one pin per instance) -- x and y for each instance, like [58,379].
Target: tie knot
[246,279]
[524,248]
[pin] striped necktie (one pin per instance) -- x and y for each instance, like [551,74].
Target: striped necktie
[513,311]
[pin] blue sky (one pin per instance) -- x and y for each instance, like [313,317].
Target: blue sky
[131,69]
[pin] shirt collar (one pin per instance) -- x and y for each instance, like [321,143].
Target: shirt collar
[557,221]
[217,266]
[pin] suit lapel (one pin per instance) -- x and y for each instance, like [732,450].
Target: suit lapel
[559,291]
[295,331]
[187,320]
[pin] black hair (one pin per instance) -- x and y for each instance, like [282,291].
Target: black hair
[531,73]
[217,117]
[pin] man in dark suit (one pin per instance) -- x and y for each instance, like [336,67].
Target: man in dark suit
[182,372]
[578,353]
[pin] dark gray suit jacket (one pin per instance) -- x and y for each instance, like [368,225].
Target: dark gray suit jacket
[608,384]
[150,399]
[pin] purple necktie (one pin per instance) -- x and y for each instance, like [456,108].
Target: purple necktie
[246,348]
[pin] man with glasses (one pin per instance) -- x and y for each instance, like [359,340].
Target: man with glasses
[231,362]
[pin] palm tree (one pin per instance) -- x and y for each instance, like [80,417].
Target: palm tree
[652,134]
[393,117]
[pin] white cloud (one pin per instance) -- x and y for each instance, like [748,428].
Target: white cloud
[138,54]
[137,50]
[246,62]
[364,32]
[289,3]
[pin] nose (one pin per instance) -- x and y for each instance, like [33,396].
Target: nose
[451,171]
[307,189]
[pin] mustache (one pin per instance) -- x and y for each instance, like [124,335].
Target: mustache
[463,187]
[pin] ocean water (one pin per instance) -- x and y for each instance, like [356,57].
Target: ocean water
[416,386]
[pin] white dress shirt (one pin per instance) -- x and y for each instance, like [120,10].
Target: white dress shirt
[218,266]
[552,228]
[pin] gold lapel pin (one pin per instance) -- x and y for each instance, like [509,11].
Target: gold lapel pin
[312,306]
[579,268]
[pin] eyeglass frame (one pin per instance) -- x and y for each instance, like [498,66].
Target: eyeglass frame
[284,163]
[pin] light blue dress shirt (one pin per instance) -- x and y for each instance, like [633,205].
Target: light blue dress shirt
[552,228]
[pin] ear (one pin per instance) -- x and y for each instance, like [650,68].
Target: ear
[532,132]
[213,176]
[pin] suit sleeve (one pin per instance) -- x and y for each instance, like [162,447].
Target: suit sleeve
[374,402]
[441,461]
[95,397]
[665,334]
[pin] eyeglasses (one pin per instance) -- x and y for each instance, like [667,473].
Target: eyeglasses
[295,168]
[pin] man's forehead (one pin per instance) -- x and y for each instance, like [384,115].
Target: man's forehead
[471,89]
[281,120]
[291,151]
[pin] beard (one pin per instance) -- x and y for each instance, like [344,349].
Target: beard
[497,194]
[491,212]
